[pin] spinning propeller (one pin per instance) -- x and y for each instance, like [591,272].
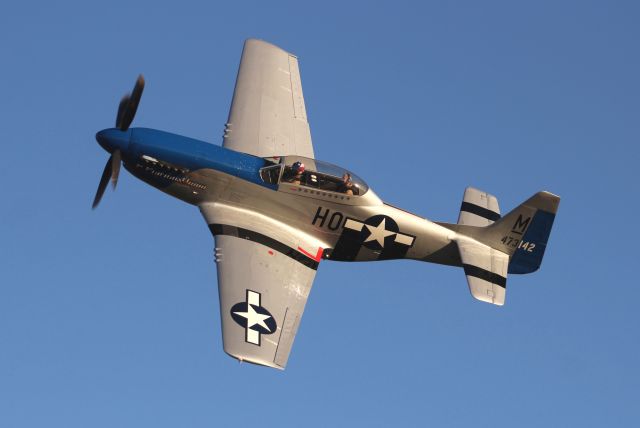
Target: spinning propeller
[126,113]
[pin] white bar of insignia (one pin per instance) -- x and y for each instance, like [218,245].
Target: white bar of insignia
[404,239]
[253,298]
[253,336]
[353,225]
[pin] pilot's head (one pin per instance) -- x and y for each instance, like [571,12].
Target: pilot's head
[298,167]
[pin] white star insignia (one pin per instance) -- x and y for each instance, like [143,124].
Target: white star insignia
[378,233]
[254,318]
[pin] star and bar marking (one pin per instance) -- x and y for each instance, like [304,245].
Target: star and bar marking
[255,319]
[379,232]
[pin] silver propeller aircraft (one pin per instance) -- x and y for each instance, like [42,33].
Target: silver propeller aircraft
[276,212]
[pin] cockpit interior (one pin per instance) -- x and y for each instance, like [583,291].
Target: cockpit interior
[313,174]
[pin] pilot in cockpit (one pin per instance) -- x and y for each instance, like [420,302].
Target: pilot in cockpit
[346,186]
[294,175]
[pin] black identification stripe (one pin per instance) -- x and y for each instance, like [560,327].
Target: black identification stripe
[478,210]
[477,272]
[348,246]
[224,229]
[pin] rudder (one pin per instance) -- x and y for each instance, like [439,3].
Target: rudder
[528,256]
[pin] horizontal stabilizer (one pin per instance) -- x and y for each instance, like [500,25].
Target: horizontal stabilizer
[486,270]
[478,208]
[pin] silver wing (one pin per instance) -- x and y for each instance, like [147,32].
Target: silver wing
[264,279]
[268,115]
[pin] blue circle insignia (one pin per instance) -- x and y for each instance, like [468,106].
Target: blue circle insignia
[379,232]
[253,317]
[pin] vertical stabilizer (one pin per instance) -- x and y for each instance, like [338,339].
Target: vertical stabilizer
[523,233]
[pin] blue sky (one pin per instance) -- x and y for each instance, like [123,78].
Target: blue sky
[110,318]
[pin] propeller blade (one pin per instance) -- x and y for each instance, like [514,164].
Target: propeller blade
[121,108]
[129,105]
[104,180]
[126,112]
[115,167]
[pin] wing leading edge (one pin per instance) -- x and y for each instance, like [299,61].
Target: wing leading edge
[268,115]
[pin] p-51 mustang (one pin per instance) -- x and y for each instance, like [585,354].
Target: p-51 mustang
[276,212]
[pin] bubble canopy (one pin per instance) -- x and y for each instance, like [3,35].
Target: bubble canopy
[312,173]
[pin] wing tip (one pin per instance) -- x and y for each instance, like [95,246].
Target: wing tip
[255,43]
[254,361]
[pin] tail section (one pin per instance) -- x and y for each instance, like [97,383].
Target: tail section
[491,247]
[523,233]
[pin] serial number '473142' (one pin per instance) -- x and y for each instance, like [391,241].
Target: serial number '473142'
[516,243]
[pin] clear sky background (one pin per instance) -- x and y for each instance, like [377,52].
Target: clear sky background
[110,318]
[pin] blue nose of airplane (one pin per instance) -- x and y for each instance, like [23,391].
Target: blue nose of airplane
[112,139]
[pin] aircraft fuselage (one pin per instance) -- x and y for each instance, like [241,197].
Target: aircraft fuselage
[345,227]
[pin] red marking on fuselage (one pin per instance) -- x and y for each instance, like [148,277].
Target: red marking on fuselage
[271,252]
[317,257]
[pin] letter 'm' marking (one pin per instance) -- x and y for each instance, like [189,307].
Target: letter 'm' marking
[521,225]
